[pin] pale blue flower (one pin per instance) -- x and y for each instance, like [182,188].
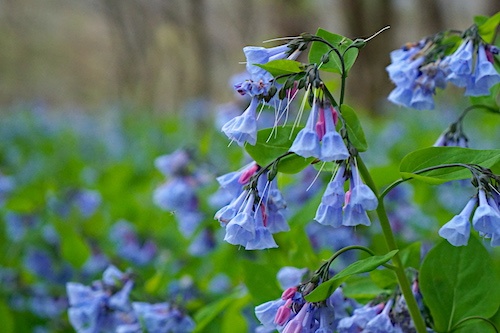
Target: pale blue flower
[486,218]
[243,128]
[330,209]
[307,143]
[485,75]
[333,147]
[457,230]
[241,229]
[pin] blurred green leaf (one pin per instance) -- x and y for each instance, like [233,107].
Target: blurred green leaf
[436,156]
[324,290]
[487,28]
[211,311]
[6,318]
[318,50]
[459,282]
[74,249]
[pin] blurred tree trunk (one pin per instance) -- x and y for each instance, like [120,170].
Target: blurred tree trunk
[432,18]
[200,85]
[368,82]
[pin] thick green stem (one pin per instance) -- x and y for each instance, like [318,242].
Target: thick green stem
[404,283]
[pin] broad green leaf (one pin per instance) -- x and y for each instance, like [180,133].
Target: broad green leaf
[363,288]
[260,279]
[411,255]
[273,143]
[6,318]
[233,319]
[488,28]
[324,290]
[354,130]
[384,278]
[459,282]
[282,67]
[334,64]
[209,312]
[436,156]
[490,101]
[73,247]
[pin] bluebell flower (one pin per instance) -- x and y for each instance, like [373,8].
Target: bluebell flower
[266,312]
[261,55]
[103,306]
[457,230]
[329,211]
[175,194]
[359,199]
[382,323]
[174,163]
[486,218]
[202,244]
[333,147]
[358,320]
[306,143]
[162,317]
[485,75]
[460,64]
[234,181]
[241,229]
[128,246]
[290,276]
[243,128]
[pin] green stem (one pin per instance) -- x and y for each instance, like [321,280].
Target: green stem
[404,284]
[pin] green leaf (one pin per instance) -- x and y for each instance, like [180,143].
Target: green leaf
[324,290]
[490,101]
[6,318]
[458,282]
[73,247]
[436,156]
[488,28]
[260,279]
[363,288]
[273,143]
[354,130]
[334,64]
[410,255]
[210,311]
[282,67]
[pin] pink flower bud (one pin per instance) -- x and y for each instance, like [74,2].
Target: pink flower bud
[289,293]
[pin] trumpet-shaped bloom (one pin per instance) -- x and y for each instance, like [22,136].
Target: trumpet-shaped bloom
[486,218]
[333,147]
[485,75]
[457,230]
[241,229]
[243,128]
[330,209]
[307,143]
[460,64]
[359,199]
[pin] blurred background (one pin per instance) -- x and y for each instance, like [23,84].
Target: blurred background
[158,54]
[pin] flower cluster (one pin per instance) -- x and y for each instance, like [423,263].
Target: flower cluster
[105,307]
[319,138]
[485,219]
[339,208]
[418,69]
[178,193]
[255,211]
[292,313]
[128,246]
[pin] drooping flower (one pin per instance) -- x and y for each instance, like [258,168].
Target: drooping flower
[359,199]
[243,128]
[307,142]
[486,218]
[460,64]
[329,211]
[333,147]
[485,75]
[457,230]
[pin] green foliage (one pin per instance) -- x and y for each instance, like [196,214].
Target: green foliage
[324,290]
[487,26]
[354,130]
[319,49]
[458,282]
[273,143]
[282,67]
[434,157]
